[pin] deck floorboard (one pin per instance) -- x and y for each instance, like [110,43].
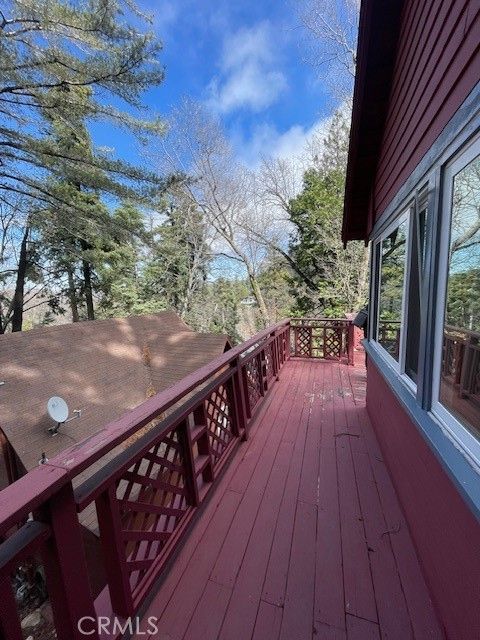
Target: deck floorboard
[303,538]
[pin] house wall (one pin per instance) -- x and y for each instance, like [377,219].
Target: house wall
[443,528]
[436,68]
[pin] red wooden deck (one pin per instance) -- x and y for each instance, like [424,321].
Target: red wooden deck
[303,537]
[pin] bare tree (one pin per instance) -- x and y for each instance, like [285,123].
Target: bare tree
[331,40]
[197,148]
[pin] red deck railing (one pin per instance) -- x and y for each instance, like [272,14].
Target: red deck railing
[461,361]
[174,446]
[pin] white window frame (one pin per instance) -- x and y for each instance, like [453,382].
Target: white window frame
[399,366]
[455,428]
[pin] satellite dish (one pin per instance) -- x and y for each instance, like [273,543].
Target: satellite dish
[57,409]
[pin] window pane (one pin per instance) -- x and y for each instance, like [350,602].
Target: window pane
[414,288]
[460,376]
[392,274]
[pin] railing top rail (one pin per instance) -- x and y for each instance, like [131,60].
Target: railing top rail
[77,458]
[320,319]
[33,489]
[28,493]
[467,332]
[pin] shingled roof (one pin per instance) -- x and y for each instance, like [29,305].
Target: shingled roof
[102,367]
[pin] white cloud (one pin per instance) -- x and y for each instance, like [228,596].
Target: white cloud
[294,144]
[249,77]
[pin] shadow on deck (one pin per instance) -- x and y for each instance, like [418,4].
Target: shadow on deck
[303,536]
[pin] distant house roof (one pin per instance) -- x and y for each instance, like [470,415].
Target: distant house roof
[379,28]
[102,367]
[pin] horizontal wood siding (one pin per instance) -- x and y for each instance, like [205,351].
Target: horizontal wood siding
[437,66]
[443,528]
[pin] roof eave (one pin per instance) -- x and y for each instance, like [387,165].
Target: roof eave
[379,29]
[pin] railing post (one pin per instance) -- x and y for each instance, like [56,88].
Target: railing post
[246,393]
[275,355]
[185,438]
[113,548]
[10,628]
[199,418]
[239,399]
[261,371]
[351,343]
[65,566]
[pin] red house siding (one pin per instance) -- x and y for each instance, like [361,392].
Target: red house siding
[436,68]
[444,530]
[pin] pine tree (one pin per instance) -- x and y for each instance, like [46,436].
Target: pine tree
[66,59]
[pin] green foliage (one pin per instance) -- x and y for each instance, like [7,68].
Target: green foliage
[275,283]
[60,60]
[119,264]
[178,259]
[463,301]
[217,308]
[328,279]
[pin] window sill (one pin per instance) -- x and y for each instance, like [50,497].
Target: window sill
[452,459]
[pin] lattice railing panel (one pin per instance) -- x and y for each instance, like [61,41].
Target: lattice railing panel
[152,501]
[254,382]
[333,343]
[303,341]
[219,421]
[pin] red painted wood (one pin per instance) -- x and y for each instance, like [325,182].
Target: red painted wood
[268,622]
[176,614]
[9,623]
[329,605]
[441,524]
[190,599]
[239,394]
[240,616]
[424,620]
[277,571]
[358,584]
[244,472]
[324,631]
[63,557]
[199,535]
[437,67]
[113,548]
[208,616]
[28,493]
[231,555]
[392,609]
[359,629]
[436,91]
[297,619]
[78,457]
[190,463]
[22,544]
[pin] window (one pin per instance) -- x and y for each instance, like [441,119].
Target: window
[416,302]
[458,339]
[391,287]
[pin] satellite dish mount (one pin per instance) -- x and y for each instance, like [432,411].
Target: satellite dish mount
[58,411]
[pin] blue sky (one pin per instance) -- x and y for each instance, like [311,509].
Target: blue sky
[244,59]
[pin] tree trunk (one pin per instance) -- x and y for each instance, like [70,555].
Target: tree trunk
[87,282]
[72,295]
[18,297]
[257,293]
